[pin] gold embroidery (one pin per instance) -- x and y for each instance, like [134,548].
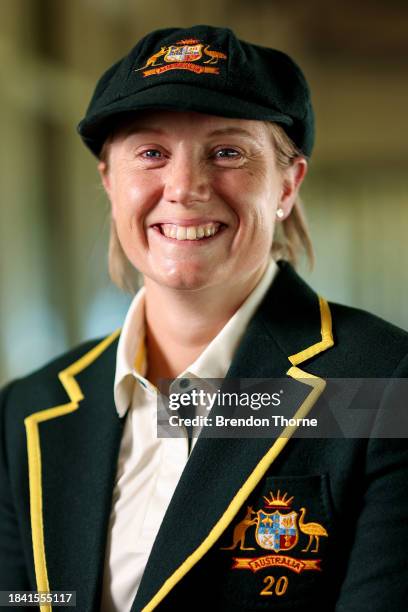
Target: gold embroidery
[181,56]
[313,530]
[277,531]
[278,502]
[214,56]
[255,564]
[240,530]
[153,59]
[280,586]
[181,66]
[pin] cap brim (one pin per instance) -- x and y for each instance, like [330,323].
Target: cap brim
[177,97]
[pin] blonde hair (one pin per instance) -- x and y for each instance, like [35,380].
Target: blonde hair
[291,239]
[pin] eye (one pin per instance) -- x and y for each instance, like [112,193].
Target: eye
[152,154]
[151,157]
[227,153]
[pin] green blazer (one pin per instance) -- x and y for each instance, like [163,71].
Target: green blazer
[254,524]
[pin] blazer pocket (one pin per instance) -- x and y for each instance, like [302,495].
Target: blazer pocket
[276,553]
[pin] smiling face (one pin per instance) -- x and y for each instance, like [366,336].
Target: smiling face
[194,197]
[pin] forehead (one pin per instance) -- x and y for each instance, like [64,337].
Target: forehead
[193,123]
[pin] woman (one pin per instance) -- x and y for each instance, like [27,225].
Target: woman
[203,143]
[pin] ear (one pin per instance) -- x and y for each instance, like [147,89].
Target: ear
[103,169]
[105,178]
[292,179]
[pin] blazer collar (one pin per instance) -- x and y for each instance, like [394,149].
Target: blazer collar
[296,320]
[291,325]
[72,457]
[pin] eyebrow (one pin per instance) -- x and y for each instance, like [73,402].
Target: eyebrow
[231,131]
[226,131]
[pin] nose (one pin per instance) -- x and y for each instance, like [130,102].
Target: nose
[186,180]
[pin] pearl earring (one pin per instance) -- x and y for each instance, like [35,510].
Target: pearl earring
[280,213]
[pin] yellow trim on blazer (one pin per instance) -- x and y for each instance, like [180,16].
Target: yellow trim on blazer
[318,385]
[34,456]
[327,336]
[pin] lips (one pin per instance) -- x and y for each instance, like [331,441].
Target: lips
[186,222]
[185,230]
[188,231]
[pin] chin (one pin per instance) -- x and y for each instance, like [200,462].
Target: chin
[186,283]
[185,277]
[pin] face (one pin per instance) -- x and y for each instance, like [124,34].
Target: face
[194,197]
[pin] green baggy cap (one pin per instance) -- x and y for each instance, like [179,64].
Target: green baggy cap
[204,69]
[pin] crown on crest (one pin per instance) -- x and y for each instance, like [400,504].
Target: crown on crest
[278,501]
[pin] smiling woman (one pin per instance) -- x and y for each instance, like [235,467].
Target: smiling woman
[291,238]
[203,143]
[176,174]
[183,173]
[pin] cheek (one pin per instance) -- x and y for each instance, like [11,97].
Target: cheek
[132,200]
[263,206]
[253,202]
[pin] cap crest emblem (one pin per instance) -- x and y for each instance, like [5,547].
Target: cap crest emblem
[183,55]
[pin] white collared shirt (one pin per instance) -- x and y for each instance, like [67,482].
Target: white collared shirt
[149,468]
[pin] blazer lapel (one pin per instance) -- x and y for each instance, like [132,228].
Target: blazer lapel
[72,452]
[290,326]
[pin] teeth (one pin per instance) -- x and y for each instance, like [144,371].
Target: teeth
[181,232]
[190,232]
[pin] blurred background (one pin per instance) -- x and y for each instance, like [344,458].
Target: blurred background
[54,286]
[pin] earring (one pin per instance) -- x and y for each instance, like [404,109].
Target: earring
[280,213]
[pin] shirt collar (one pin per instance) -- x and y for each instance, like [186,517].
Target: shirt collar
[131,354]
[214,361]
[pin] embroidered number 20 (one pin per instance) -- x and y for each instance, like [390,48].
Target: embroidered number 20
[280,586]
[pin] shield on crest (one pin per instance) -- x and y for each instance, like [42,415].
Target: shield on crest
[276,531]
[186,53]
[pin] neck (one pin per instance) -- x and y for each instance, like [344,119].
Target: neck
[177,334]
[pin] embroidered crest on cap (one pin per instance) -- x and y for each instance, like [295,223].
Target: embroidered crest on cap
[279,532]
[184,55]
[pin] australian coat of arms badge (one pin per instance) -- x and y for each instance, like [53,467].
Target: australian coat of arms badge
[189,54]
[277,530]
